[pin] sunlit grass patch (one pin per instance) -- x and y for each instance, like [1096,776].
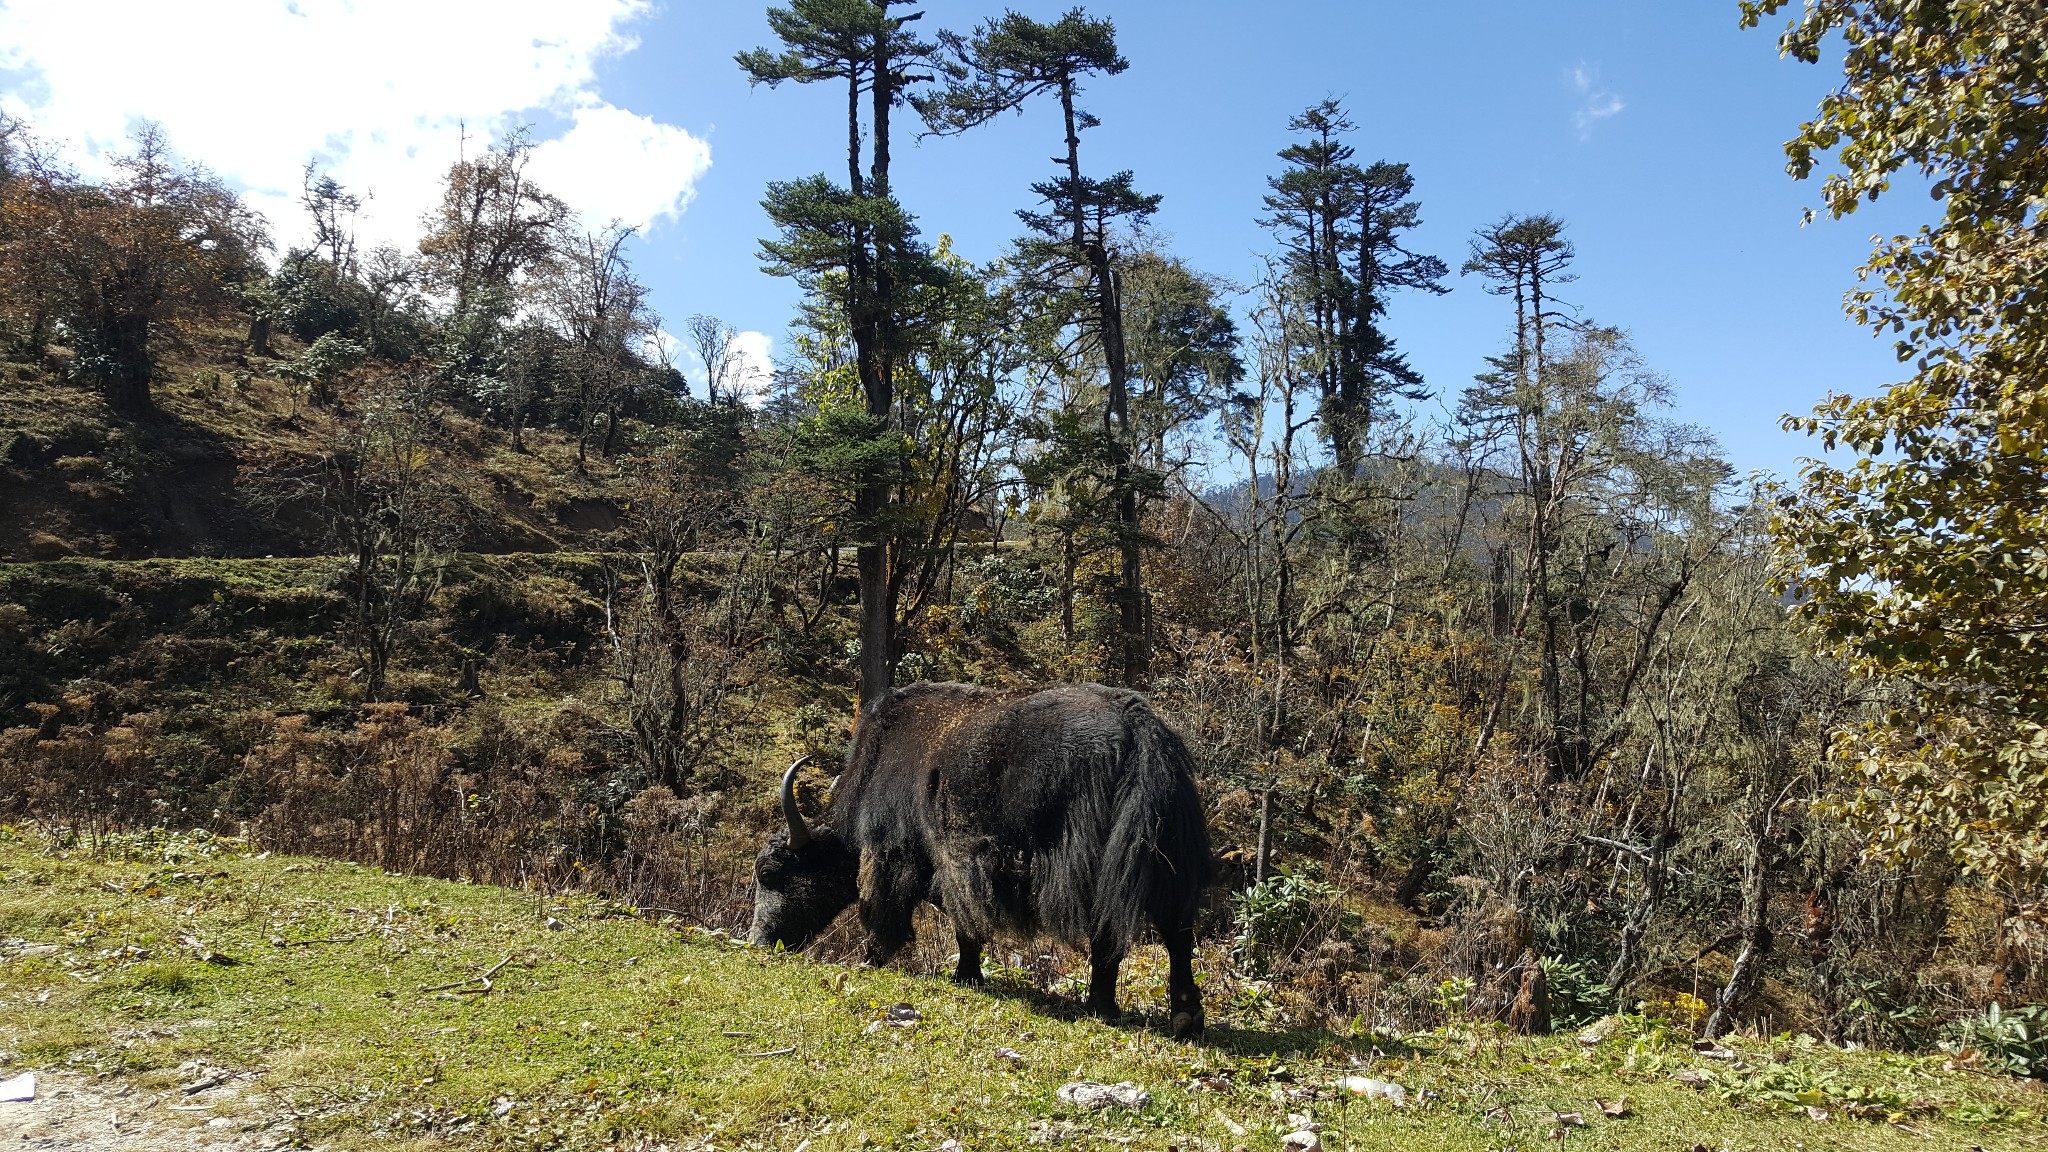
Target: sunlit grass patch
[356,997]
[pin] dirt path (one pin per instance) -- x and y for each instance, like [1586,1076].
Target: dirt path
[73,1112]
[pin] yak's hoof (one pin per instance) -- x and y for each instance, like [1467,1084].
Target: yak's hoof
[970,979]
[1107,1013]
[1187,1025]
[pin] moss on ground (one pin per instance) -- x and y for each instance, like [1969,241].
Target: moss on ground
[344,987]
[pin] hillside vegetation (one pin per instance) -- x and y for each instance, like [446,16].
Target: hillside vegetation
[208,469]
[342,1006]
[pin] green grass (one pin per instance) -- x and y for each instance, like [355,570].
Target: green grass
[614,1028]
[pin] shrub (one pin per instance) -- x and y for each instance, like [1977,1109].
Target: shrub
[82,467]
[1576,996]
[2013,1041]
[323,362]
[1282,917]
[164,977]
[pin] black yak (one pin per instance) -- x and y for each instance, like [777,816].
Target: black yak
[1067,812]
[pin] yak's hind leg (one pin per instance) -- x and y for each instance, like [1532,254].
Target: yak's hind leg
[893,882]
[968,971]
[1105,956]
[1184,1000]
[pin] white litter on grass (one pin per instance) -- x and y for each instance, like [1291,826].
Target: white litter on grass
[1302,1142]
[1089,1094]
[19,1090]
[1373,1089]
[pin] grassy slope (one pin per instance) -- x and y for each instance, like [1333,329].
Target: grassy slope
[615,1028]
[79,479]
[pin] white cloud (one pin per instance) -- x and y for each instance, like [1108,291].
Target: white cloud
[757,365]
[1597,103]
[380,93]
[615,165]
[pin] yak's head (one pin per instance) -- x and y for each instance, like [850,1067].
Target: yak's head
[803,878]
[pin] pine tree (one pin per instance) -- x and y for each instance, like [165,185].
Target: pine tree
[1075,238]
[1341,226]
[859,240]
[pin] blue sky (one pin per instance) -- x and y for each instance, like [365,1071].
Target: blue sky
[1653,129]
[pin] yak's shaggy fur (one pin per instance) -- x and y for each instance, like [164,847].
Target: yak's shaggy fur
[1067,812]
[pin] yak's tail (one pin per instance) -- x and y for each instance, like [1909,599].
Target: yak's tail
[1157,860]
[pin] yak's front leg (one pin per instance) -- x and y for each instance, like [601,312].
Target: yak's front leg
[1105,956]
[892,884]
[968,971]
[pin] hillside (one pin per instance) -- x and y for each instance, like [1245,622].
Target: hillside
[222,997]
[207,471]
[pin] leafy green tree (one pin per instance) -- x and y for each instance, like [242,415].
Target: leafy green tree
[677,639]
[946,449]
[333,209]
[1075,241]
[1183,350]
[1525,258]
[600,308]
[1926,559]
[493,237]
[122,263]
[390,510]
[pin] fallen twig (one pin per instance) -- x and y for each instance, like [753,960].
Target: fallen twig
[677,913]
[770,1052]
[484,980]
[201,1085]
[738,1035]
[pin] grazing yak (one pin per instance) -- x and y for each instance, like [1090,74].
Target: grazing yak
[1067,812]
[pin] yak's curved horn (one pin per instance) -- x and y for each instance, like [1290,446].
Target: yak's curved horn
[799,832]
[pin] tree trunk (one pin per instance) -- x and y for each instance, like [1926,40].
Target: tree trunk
[1415,881]
[124,342]
[1656,875]
[1068,562]
[1265,856]
[259,334]
[1756,926]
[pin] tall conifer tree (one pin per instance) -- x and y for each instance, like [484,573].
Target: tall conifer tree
[1342,225]
[1006,62]
[858,239]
